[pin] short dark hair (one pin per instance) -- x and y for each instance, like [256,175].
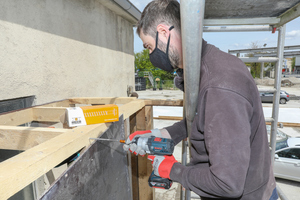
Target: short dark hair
[159,12]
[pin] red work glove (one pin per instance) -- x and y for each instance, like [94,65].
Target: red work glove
[132,147]
[162,165]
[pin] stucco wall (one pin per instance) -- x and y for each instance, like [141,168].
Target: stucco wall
[56,49]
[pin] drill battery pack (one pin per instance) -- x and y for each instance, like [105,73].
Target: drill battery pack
[159,182]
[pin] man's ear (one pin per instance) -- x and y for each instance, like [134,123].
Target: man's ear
[163,31]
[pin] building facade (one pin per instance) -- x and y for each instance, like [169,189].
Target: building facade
[57,49]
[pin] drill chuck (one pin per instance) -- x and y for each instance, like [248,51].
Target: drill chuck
[143,143]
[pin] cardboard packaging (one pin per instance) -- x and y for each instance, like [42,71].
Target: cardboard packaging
[80,116]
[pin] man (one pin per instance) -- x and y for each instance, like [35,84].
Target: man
[229,145]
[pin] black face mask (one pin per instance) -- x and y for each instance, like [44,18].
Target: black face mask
[160,59]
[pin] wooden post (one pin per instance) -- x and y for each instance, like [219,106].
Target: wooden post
[141,167]
[134,163]
[127,133]
[144,121]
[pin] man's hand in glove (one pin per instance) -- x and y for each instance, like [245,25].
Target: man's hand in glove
[162,165]
[132,147]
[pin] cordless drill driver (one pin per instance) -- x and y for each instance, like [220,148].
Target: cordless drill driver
[157,146]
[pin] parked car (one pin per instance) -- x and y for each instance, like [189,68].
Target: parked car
[287,159]
[267,97]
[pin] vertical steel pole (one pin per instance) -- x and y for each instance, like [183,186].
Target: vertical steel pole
[192,17]
[262,70]
[276,97]
[184,147]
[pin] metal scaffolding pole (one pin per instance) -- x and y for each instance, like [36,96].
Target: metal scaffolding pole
[192,17]
[272,90]
[276,98]
[262,65]
[265,49]
[258,59]
[236,28]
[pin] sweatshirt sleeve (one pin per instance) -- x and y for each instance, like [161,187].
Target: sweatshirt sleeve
[227,132]
[178,131]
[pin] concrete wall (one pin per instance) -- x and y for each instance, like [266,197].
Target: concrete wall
[56,49]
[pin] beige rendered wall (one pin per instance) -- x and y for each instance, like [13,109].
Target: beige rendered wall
[56,49]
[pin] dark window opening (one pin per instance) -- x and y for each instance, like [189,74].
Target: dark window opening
[16,104]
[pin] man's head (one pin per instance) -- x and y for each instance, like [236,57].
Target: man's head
[156,24]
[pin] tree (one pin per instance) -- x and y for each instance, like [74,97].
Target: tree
[293,63]
[143,63]
[255,67]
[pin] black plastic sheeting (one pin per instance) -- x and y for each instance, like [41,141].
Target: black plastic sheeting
[101,172]
[16,104]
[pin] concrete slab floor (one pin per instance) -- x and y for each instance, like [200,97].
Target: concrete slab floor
[288,113]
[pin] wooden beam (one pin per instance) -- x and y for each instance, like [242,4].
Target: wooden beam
[168,118]
[267,123]
[16,118]
[131,108]
[134,163]
[286,124]
[101,100]
[163,102]
[144,121]
[26,167]
[23,138]
[48,114]
[55,114]
[62,103]
[127,133]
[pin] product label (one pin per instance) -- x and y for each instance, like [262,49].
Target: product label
[78,116]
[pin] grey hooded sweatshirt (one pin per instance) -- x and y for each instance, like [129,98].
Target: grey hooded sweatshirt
[229,145]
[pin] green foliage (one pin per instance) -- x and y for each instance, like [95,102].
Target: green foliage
[169,84]
[255,70]
[142,63]
[255,67]
[293,63]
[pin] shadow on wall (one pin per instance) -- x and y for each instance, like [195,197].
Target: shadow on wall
[87,21]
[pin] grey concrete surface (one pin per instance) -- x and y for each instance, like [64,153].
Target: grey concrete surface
[288,113]
[62,49]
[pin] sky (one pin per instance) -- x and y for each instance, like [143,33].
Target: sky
[235,40]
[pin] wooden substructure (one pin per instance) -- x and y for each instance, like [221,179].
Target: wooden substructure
[46,147]
[285,124]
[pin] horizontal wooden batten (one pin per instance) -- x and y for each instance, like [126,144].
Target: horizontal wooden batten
[23,138]
[62,103]
[26,167]
[287,124]
[48,114]
[101,100]
[16,118]
[163,102]
[168,118]
[130,108]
